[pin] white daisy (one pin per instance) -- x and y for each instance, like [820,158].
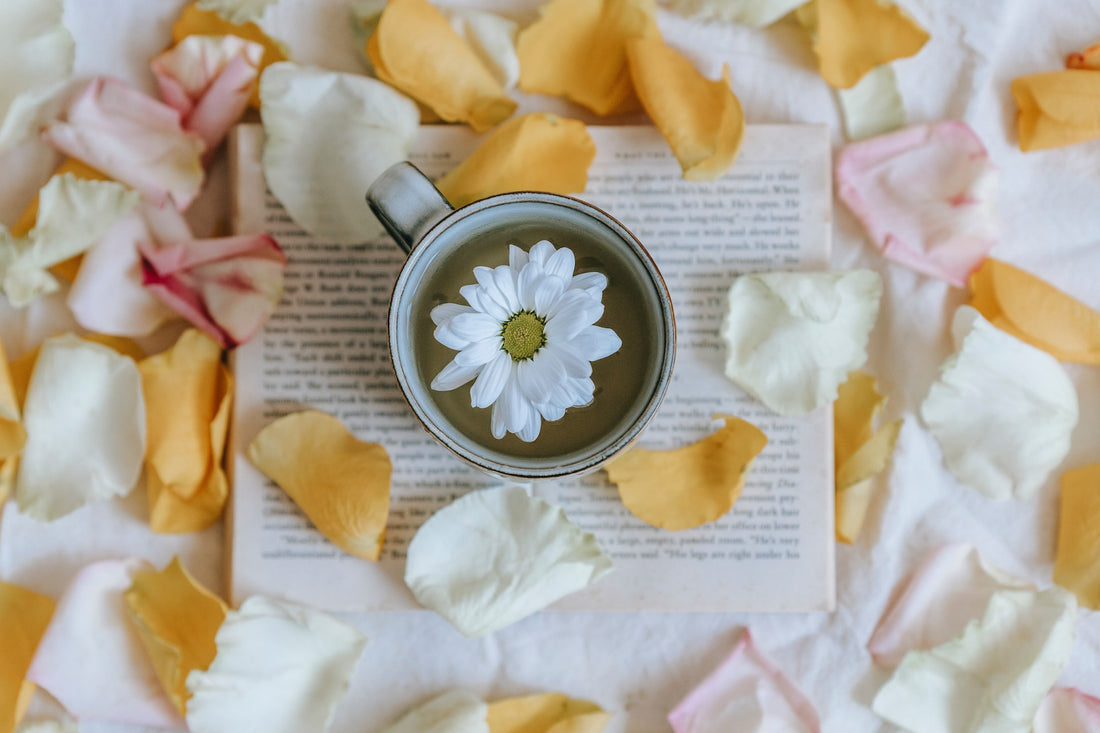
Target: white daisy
[527,338]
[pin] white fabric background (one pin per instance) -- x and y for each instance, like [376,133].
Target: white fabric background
[640,665]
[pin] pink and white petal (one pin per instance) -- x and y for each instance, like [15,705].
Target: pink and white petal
[444,312]
[480,352]
[1068,710]
[595,343]
[223,103]
[490,383]
[91,657]
[593,283]
[926,196]
[107,295]
[134,139]
[745,692]
[192,66]
[475,326]
[561,264]
[454,376]
[951,587]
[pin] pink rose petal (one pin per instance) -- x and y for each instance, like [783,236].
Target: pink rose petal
[1067,710]
[209,80]
[926,196]
[134,139]
[91,657]
[108,295]
[746,692]
[227,287]
[951,587]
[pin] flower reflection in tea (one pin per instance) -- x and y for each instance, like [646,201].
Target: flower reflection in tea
[527,338]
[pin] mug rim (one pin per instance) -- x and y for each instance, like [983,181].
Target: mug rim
[588,461]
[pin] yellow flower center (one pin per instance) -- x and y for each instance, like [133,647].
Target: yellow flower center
[523,335]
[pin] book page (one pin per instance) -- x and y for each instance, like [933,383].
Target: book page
[326,348]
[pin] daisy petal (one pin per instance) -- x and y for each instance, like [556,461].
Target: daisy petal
[497,421]
[561,264]
[593,283]
[496,556]
[541,252]
[516,409]
[446,311]
[595,342]
[572,315]
[531,428]
[475,326]
[506,285]
[445,335]
[535,381]
[574,365]
[479,352]
[280,668]
[490,383]
[547,291]
[517,258]
[456,711]
[529,281]
[454,376]
[1001,410]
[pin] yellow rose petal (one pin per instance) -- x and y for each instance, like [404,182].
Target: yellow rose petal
[1057,108]
[194,21]
[12,434]
[415,49]
[177,619]
[577,49]
[1034,311]
[852,37]
[1077,561]
[534,152]
[24,616]
[701,119]
[859,452]
[546,713]
[340,482]
[1087,59]
[187,397]
[690,486]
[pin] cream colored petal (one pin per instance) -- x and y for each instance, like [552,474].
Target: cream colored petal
[455,711]
[279,668]
[493,39]
[755,13]
[85,421]
[873,106]
[176,619]
[814,324]
[1068,710]
[993,676]
[1077,562]
[340,482]
[24,616]
[36,53]
[1001,410]
[549,712]
[328,136]
[91,658]
[690,486]
[496,556]
[237,11]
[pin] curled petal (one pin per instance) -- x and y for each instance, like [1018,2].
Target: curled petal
[456,711]
[280,668]
[873,106]
[226,287]
[1057,108]
[746,692]
[537,151]
[1068,710]
[24,616]
[577,49]
[1034,311]
[492,38]
[701,119]
[91,658]
[340,482]
[496,556]
[926,196]
[1002,411]
[85,421]
[441,70]
[1077,562]
[134,139]
[327,137]
[816,324]
[209,80]
[550,712]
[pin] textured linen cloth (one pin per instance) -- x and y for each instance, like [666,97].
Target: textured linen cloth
[641,665]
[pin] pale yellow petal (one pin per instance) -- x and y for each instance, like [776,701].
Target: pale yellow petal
[340,482]
[577,49]
[177,620]
[701,119]
[690,486]
[415,49]
[1077,561]
[858,401]
[546,713]
[533,152]
[24,616]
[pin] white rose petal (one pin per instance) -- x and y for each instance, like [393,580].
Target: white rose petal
[455,711]
[73,214]
[498,555]
[1068,710]
[755,13]
[328,136]
[237,11]
[85,422]
[873,106]
[493,39]
[990,678]
[91,657]
[1001,410]
[279,667]
[36,56]
[792,337]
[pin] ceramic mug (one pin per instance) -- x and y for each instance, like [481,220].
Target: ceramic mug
[433,234]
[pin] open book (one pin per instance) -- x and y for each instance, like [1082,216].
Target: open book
[325,347]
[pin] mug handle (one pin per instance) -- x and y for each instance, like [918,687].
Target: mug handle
[406,203]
